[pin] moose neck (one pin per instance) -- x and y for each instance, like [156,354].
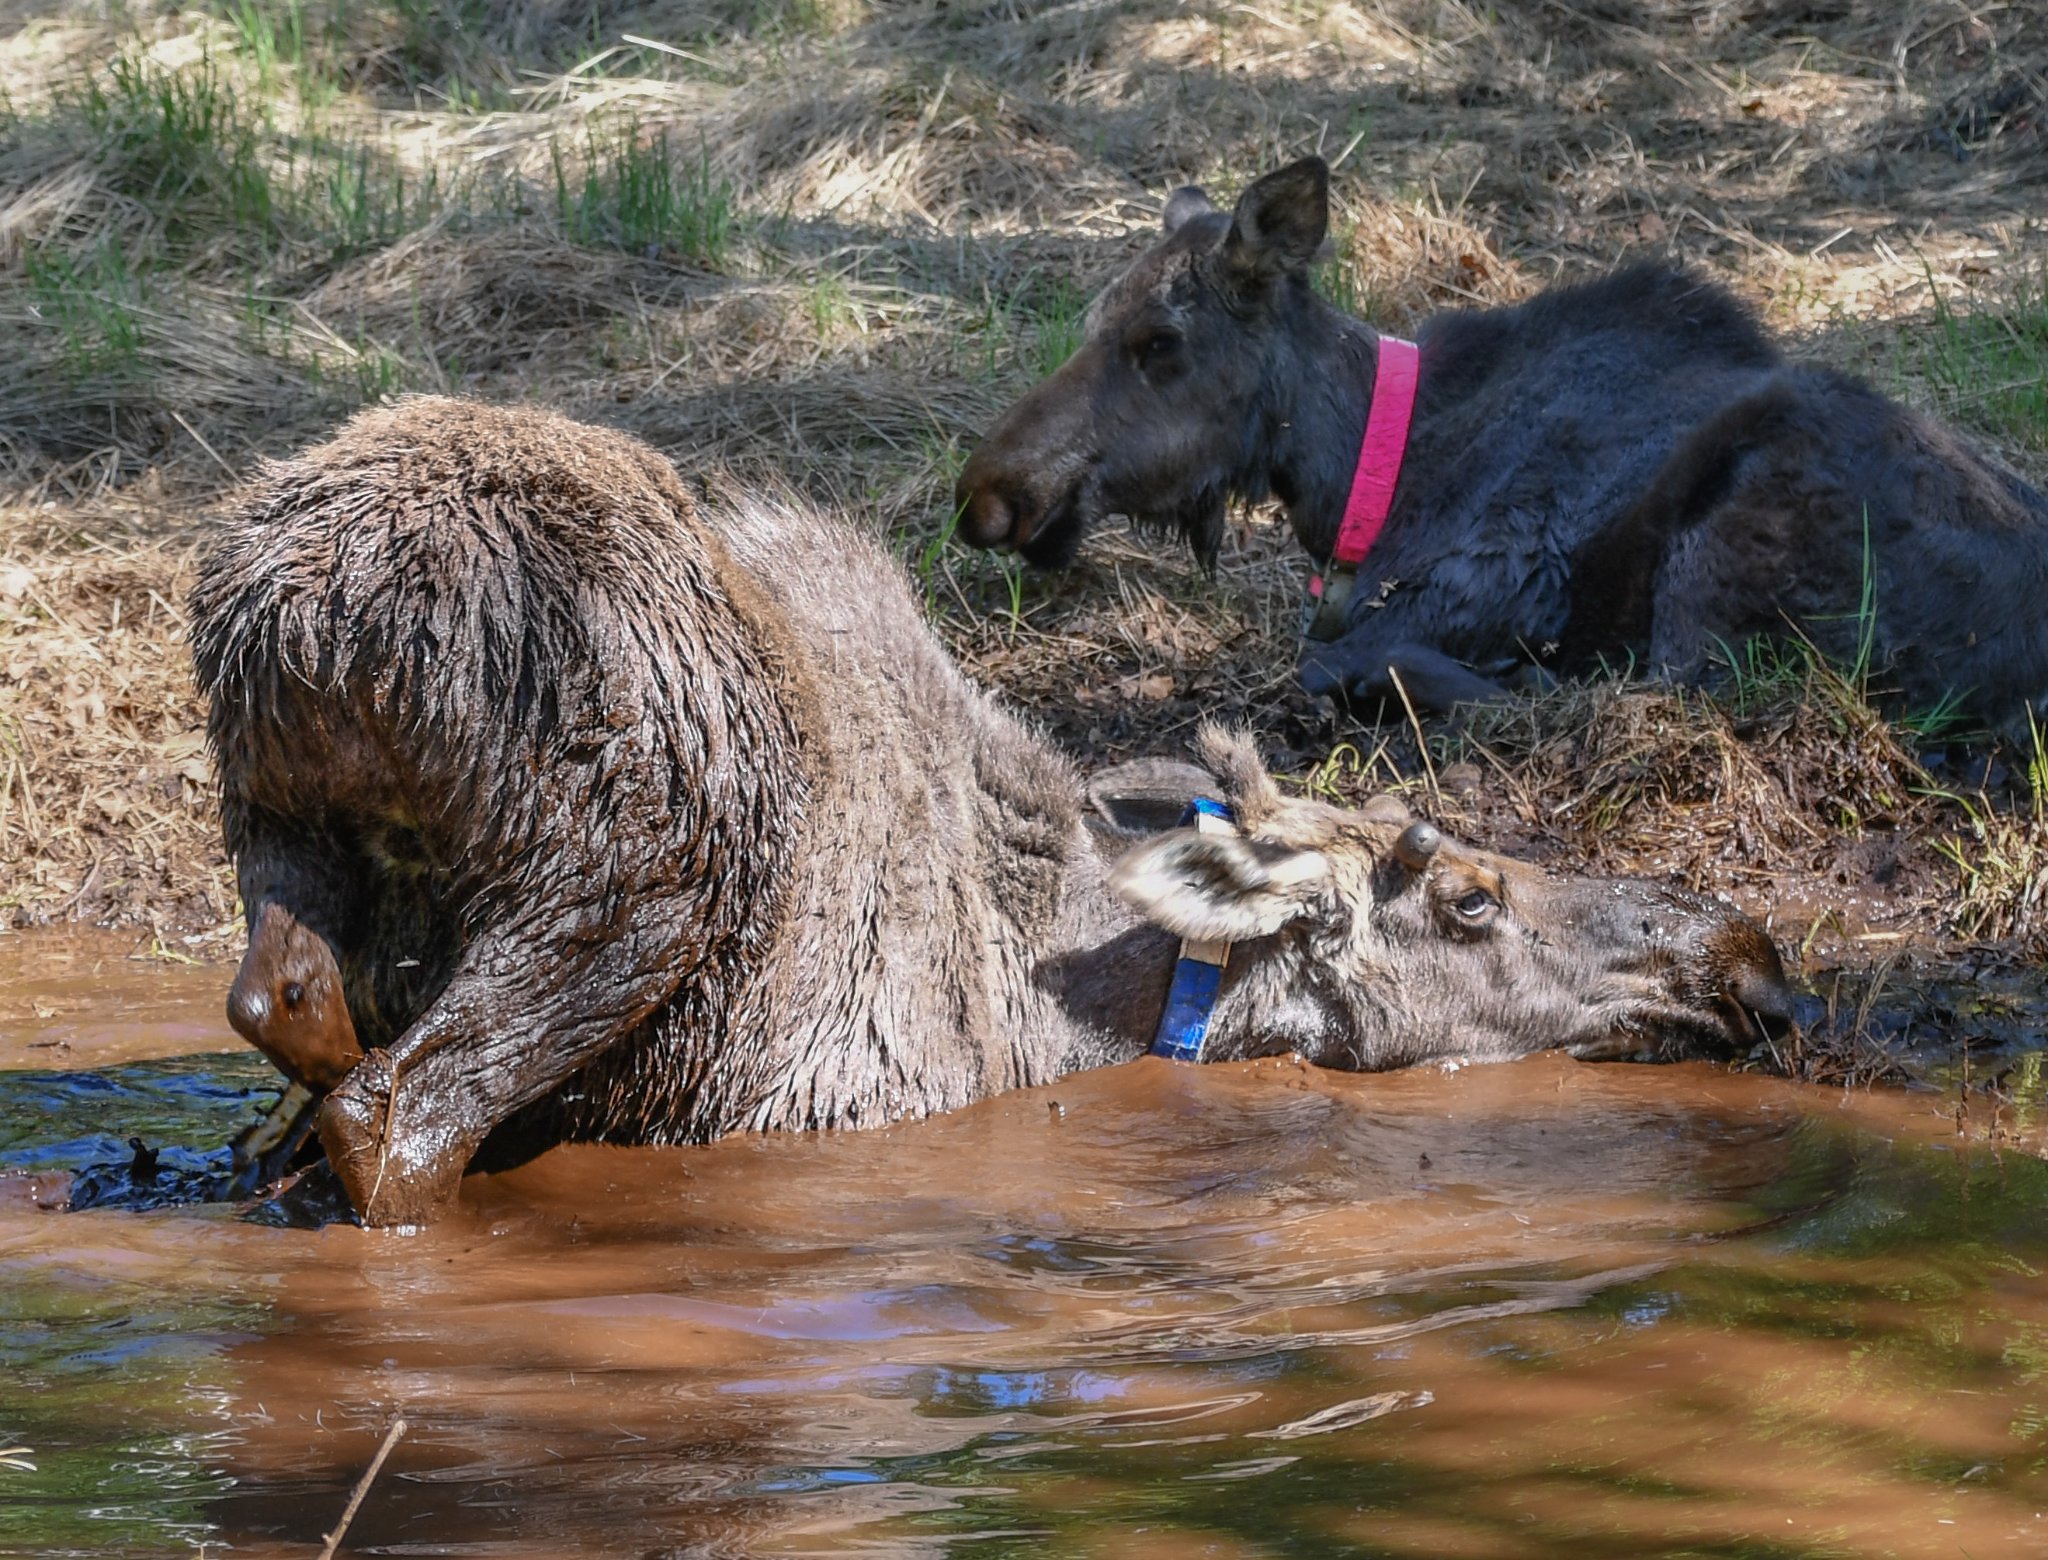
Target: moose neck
[1106,970]
[1318,426]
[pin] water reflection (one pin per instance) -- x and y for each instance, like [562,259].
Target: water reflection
[1539,1310]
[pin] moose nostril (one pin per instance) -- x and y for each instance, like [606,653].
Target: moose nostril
[987,518]
[1776,1026]
[1769,1001]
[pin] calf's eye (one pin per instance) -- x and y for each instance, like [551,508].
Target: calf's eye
[1157,348]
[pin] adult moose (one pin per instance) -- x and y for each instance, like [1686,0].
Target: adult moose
[566,805]
[1623,467]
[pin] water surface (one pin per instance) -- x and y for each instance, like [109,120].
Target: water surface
[1524,1311]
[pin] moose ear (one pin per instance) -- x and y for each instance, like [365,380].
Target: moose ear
[1145,795]
[1281,221]
[1221,888]
[1233,758]
[1184,203]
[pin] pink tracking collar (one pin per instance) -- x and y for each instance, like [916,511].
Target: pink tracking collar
[1372,484]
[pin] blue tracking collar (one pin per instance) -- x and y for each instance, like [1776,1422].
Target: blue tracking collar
[1199,974]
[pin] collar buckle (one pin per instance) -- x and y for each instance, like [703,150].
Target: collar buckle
[1198,976]
[1326,615]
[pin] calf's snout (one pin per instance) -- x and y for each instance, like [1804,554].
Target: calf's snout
[1743,962]
[1727,965]
[287,1001]
[988,516]
[1020,487]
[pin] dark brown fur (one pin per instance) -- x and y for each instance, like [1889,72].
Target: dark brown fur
[628,818]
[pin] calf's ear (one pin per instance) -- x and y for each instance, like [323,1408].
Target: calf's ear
[1281,221]
[1184,203]
[1221,888]
[1146,795]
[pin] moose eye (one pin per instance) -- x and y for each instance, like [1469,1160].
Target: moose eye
[294,993]
[1157,347]
[1476,906]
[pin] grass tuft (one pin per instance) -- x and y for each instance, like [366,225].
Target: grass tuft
[269,38]
[2001,861]
[359,199]
[181,144]
[625,191]
[91,301]
[1989,368]
[1053,318]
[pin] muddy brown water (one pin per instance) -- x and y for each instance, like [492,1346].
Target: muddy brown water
[1537,1310]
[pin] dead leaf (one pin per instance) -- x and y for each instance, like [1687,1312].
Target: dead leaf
[83,707]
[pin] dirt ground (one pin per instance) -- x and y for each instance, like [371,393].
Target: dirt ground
[832,239]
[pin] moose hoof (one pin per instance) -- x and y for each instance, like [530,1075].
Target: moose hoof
[1400,678]
[397,1167]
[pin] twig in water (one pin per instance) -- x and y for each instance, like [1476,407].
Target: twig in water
[362,1488]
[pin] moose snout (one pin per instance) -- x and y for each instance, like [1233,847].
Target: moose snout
[989,515]
[1743,961]
[1718,982]
[1768,998]
[1020,487]
[287,1001]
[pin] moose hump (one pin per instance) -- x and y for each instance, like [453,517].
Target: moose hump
[566,802]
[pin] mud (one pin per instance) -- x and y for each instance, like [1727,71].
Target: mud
[1539,1309]
[104,998]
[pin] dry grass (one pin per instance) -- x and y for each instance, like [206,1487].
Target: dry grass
[105,791]
[832,238]
[1685,784]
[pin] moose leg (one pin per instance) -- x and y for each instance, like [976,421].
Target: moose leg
[1363,669]
[1776,550]
[509,1028]
[1700,559]
[1760,565]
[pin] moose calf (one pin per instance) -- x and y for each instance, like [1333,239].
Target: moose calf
[1624,468]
